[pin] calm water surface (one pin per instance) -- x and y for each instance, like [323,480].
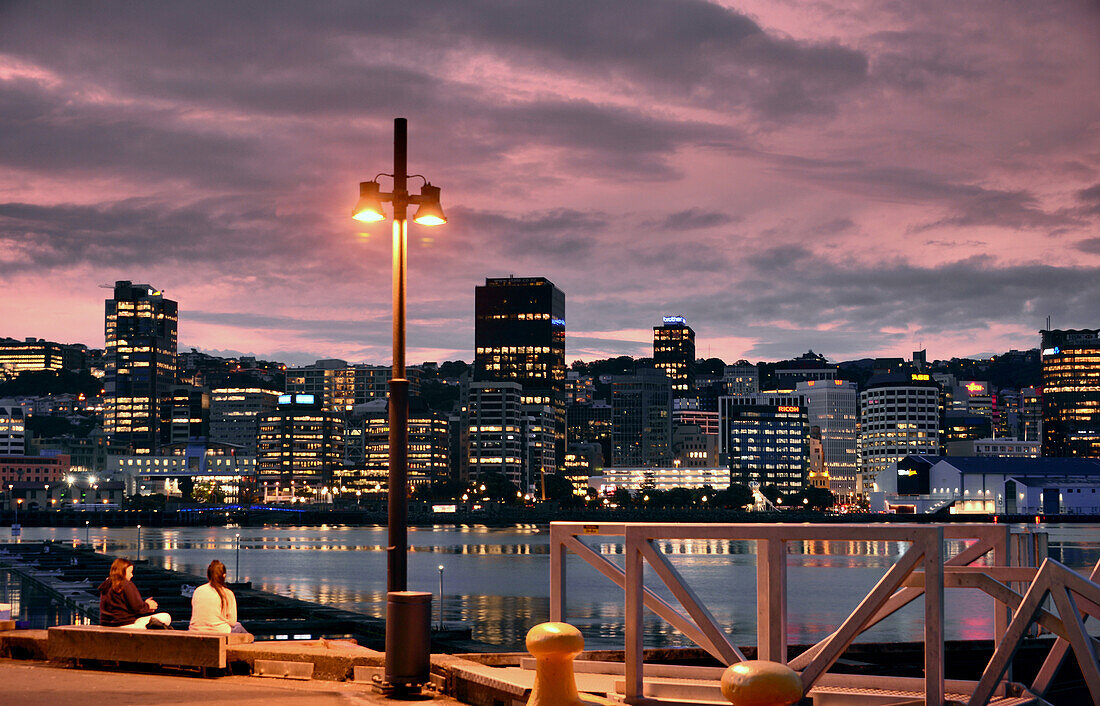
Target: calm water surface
[498,579]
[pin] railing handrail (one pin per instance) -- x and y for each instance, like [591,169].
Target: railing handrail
[925,556]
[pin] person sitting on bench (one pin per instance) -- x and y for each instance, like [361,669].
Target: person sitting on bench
[120,604]
[213,605]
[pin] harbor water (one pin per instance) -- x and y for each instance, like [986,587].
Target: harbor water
[497,580]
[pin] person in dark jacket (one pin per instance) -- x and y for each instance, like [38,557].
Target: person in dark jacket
[120,604]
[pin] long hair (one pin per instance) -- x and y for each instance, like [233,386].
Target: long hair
[117,574]
[215,574]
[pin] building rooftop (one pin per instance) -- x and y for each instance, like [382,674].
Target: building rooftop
[1025,467]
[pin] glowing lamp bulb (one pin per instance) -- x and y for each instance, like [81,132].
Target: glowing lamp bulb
[369,207]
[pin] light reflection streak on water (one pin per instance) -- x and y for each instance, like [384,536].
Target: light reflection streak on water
[497,580]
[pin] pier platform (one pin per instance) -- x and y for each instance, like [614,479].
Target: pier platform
[44,684]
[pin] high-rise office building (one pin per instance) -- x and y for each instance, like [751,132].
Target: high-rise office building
[339,386]
[833,407]
[1030,419]
[674,352]
[769,444]
[1071,392]
[519,336]
[185,415]
[728,403]
[641,414]
[139,363]
[368,446]
[707,421]
[37,355]
[12,428]
[742,378]
[301,449]
[235,414]
[496,442]
[579,389]
[899,416]
[590,423]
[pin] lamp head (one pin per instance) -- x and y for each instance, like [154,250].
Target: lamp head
[369,207]
[430,212]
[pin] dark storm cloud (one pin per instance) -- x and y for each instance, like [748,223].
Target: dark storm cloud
[280,56]
[1090,197]
[1088,245]
[691,219]
[694,50]
[843,309]
[54,132]
[579,345]
[145,232]
[559,232]
[964,295]
[966,204]
[331,330]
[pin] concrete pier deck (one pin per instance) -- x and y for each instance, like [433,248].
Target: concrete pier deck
[45,684]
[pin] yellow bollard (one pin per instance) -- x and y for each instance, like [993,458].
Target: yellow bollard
[554,645]
[761,683]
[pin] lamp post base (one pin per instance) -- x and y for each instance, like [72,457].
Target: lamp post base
[381,686]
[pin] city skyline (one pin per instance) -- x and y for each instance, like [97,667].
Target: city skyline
[861,179]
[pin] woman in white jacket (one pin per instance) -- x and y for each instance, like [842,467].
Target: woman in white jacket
[213,606]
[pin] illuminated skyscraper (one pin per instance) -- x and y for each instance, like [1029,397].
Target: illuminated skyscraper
[368,446]
[339,386]
[833,407]
[496,435]
[37,355]
[235,415]
[519,336]
[185,415]
[139,363]
[899,416]
[1071,393]
[674,352]
[769,445]
[12,428]
[301,449]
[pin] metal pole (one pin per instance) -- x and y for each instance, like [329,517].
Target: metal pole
[237,566]
[139,543]
[87,529]
[397,564]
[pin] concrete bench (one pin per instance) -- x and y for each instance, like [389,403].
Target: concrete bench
[175,648]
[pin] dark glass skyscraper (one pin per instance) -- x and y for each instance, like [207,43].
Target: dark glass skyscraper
[1071,392]
[139,363]
[674,352]
[519,336]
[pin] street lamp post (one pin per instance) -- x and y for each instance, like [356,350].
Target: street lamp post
[369,209]
[441,596]
[139,543]
[237,563]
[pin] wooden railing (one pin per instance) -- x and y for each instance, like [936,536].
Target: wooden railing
[919,571]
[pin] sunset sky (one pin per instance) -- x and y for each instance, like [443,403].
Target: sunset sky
[857,177]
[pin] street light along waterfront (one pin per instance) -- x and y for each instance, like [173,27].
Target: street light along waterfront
[430,213]
[369,209]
